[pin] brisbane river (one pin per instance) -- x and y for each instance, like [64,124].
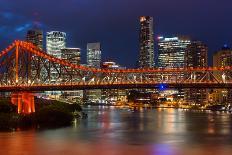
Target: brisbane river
[114,131]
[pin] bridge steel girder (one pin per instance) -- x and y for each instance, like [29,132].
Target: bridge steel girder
[16,76]
[115,86]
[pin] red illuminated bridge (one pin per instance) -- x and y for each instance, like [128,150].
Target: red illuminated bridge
[25,68]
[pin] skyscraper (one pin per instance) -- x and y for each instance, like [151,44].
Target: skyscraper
[35,36]
[196,55]
[146,42]
[223,58]
[72,55]
[93,60]
[55,41]
[171,52]
[94,55]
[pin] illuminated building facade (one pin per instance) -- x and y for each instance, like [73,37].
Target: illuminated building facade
[196,55]
[94,55]
[223,58]
[146,42]
[55,41]
[35,36]
[72,55]
[171,54]
[93,60]
[113,96]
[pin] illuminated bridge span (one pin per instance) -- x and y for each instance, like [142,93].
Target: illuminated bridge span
[25,68]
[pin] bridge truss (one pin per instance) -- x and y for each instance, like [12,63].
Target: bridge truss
[24,67]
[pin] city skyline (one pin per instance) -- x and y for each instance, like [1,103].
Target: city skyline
[109,33]
[136,77]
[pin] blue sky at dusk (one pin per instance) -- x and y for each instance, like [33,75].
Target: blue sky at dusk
[116,23]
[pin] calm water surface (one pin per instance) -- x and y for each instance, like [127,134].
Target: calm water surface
[112,131]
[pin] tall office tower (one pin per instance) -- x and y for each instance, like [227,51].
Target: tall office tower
[146,42]
[94,55]
[196,55]
[223,58]
[72,55]
[35,36]
[55,42]
[171,54]
[93,60]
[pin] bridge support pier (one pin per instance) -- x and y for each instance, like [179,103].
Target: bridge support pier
[24,101]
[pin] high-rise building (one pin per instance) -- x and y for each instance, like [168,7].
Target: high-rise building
[146,42]
[94,55]
[72,55]
[93,60]
[55,41]
[35,36]
[223,58]
[196,55]
[113,96]
[171,52]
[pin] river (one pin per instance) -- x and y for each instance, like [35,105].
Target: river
[114,131]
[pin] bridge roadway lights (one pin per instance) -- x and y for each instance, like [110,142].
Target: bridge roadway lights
[25,102]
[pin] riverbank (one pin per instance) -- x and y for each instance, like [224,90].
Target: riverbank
[49,114]
[140,107]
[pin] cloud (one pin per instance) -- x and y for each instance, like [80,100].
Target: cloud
[14,26]
[23,27]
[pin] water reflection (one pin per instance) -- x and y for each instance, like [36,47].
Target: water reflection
[115,131]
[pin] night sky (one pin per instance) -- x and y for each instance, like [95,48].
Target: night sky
[116,23]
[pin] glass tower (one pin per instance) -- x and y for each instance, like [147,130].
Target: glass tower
[94,55]
[171,52]
[93,60]
[146,42]
[35,36]
[55,41]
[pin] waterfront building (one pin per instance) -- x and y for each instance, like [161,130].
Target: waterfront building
[146,42]
[93,60]
[196,55]
[55,41]
[94,55]
[171,54]
[72,55]
[35,36]
[113,96]
[223,58]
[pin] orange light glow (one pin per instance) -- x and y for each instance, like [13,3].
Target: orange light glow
[24,101]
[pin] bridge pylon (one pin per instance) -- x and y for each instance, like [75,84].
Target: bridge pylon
[25,102]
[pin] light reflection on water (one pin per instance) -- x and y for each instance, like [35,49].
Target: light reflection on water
[112,131]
